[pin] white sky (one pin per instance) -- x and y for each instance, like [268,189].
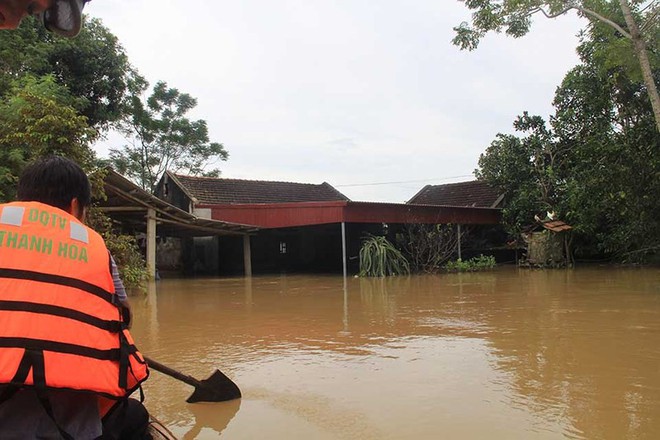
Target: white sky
[344,91]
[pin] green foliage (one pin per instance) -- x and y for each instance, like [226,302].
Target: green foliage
[482,262]
[93,67]
[604,118]
[123,248]
[514,17]
[163,138]
[37,119]
[597,165]
[625,33]
[56,95]
[379,258]
[527,168]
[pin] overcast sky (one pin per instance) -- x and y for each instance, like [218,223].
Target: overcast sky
[367,95]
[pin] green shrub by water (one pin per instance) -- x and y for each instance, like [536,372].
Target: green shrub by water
[482,262]
[379,258]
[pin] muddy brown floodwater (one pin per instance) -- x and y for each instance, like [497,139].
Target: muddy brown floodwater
[508,354]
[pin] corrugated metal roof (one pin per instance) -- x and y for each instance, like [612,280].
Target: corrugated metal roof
[557,226]
[129,203]
[474,193]
[218,191]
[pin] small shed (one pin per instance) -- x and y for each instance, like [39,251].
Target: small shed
[548,246]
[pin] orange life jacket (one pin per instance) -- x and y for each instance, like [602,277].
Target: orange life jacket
[61,326]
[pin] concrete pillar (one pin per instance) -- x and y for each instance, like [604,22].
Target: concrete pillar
[345,320]
[151,243]
[343,248]
[247,256]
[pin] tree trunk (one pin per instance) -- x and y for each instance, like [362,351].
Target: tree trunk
[640,51]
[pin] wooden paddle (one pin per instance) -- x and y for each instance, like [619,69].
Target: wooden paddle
[217,388]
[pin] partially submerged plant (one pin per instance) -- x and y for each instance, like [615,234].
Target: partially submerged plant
[427,247]
[379,258]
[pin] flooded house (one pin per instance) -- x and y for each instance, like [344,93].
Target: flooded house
[159,226]
[302,227]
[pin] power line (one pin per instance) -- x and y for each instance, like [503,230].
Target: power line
[404,181]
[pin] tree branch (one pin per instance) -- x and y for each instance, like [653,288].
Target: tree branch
[586,12]
[650,20]
[562,12]
[599,17]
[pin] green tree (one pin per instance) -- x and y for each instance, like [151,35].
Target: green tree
[597,164]
[93,67]
[37,119]
[529,170]
[606,125]
[162,138]
[634,23]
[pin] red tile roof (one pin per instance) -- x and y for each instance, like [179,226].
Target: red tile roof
[474,193]
[218,191]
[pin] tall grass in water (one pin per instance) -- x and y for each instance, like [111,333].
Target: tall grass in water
[379,258]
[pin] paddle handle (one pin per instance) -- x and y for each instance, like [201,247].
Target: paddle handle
[171,372]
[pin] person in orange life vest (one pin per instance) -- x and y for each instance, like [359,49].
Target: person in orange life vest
[63,17]
[67,360]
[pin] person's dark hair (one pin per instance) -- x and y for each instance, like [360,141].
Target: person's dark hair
[55,181]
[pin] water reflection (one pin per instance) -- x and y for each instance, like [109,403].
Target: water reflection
[212,417]
[584,350]
[505,354]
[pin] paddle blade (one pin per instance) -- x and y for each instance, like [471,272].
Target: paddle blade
[216,388]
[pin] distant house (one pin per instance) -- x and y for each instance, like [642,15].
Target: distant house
[220,191]
[474,193]
[147,217]
[302,227]
[489,239]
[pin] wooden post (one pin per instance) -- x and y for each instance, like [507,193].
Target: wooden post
[343,248]
[247,256]
[458,244]
[151,243]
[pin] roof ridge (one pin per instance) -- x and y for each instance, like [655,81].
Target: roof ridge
[247,180]
[460,183]
[468,193]
[211,190]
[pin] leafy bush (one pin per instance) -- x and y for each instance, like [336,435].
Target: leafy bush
[427,246]
[379,258]
[482,262]
[123,248]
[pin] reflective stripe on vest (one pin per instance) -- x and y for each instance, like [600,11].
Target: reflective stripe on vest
[58,307]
